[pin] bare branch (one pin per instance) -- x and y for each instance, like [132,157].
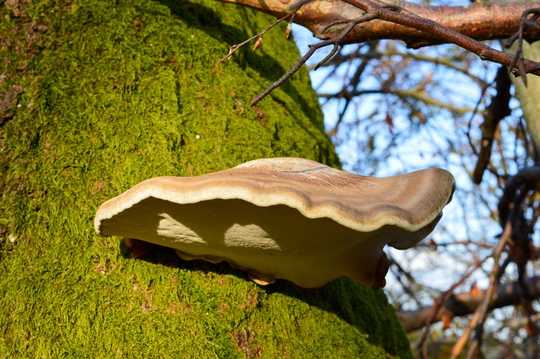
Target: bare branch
[478,21]
[498,109]
[413,94]
[415,56]
[438,309]
[441,33]
[463,304]
[527,177]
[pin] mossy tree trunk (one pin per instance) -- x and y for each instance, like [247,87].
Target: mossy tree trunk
[100,95]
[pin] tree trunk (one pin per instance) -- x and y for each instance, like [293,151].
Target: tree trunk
[96,96]
[528,96]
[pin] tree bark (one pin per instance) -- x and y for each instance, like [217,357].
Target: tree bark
[479,21]
[528,95]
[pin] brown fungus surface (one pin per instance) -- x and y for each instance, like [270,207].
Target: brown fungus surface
[283,218]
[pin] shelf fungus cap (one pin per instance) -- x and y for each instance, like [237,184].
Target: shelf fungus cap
[287,218]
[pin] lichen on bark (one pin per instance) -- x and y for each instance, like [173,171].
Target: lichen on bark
[116,92]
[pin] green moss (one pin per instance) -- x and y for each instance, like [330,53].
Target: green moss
[112,95]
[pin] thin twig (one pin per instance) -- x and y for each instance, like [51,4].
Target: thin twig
[355,81]
[312,49]
[420,57]
[236,47]
[336,42]
[439,305]
[477,322]
[414,94]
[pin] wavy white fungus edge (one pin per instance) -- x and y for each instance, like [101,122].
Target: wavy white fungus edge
[290,199]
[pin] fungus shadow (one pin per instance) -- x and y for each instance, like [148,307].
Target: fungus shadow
[349,301]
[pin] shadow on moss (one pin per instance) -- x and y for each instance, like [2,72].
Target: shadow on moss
[207,20]
[357,305]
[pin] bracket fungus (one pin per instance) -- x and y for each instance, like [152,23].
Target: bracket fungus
[286,218]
